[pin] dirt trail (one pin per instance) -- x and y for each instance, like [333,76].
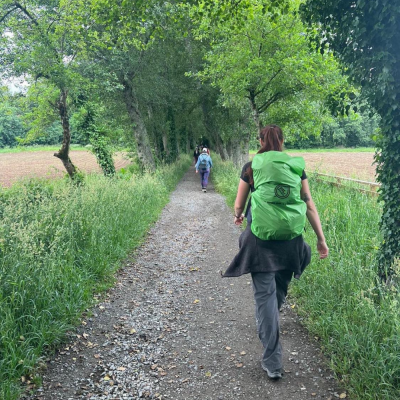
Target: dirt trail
[172,328]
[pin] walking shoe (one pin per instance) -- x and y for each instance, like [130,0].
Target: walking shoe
[272,374]
[205,190]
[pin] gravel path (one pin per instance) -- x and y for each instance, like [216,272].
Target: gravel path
[172,328]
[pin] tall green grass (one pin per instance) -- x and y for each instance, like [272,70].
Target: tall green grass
[341,300]
[60,244]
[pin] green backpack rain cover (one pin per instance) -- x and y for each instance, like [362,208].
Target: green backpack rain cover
[278,212]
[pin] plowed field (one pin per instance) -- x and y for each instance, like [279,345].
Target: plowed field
[15,166]
[350,165]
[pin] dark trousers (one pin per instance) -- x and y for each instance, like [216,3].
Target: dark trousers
[204,177]
[270,290]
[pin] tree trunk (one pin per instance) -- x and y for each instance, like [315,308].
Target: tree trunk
[143,148]
[221,148]
[255,112]
[187,144]
[239,151]
[63,153]
[165,144]
[244,151]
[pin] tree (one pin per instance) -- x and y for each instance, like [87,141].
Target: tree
[365,35]
[266,62]
[40,40]
[120,35]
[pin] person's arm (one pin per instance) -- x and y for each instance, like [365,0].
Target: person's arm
[210,163]
[240,202]
[313,217]
[197,165]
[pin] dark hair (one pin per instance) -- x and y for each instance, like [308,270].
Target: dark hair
[272,139]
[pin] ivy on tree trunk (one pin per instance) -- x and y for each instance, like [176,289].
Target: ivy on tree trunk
[387,159]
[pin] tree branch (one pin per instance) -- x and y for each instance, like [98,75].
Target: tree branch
[279,96]
[270,101]
[266,85]
[26,12]
[7,14]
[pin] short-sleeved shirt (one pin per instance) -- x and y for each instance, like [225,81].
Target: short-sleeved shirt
[246,178]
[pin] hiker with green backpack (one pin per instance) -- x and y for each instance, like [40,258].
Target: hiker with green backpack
[272,248]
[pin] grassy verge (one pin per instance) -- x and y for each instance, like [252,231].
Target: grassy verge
[60,244]
[21,149]
[356,321]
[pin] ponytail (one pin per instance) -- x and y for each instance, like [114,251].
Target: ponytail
[272,139]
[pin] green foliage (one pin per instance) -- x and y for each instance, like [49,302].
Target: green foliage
[267,62]
[41,41]
[365,35]
[218,12]
[388,160]
[59,244]
[11,126]
[90,125]
[356,130]
[225,178]
[101,148]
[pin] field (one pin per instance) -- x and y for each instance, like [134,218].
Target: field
[351,165]
[15,166]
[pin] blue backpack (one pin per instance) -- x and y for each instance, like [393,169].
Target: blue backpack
[203,162]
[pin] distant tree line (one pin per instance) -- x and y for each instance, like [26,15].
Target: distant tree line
[355,130]
[14,129]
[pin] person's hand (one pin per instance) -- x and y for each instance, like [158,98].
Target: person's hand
[238,221]
[323,249]
[197,171]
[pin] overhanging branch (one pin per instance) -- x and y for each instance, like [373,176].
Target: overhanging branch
[266,85]
[7,14]
[26,12]
[270,101]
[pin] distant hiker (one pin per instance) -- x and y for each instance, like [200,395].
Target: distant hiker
[203,146]
[203,165]
[271,247]
[196,154]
